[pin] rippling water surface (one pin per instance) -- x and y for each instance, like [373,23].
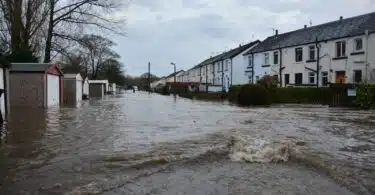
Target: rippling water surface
[149,144]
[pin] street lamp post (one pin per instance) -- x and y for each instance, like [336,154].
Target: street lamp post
[174,71]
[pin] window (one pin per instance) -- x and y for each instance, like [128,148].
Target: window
[266,58]
[299,54]
[312,52]
[276,77]
[358,44]
[357,76]
[286,78]
[340,49]
[298,78]
[218,67]
[227,64]
[311,77]
[250,79]
[324,78]
[275,57]
[250,63]
[257,78]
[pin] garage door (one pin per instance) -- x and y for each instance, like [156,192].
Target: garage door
[79,90]
[53,90]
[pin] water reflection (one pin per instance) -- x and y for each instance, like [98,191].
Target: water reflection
[70,145]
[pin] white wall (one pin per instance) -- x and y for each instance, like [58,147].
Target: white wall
[239,64]
[78,90]
[86,87]
[261,68]
[53,90]
[329,64]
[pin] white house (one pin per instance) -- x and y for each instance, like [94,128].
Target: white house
[227,68]
[334,52]
[72,88]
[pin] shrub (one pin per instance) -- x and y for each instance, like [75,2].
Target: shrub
[233,93]
[253,95]
[365,96]
[269,82]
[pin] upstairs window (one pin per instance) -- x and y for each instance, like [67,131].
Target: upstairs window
[312,52]
[340,49]
[275,57]
[299,54]
[358,44]
[250,61]
[266,58]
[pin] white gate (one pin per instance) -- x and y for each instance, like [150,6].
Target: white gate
[53,90]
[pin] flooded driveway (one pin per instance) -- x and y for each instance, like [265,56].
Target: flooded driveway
[150,144]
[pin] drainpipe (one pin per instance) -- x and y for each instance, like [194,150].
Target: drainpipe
[366,55]
[317,62]
[280,67]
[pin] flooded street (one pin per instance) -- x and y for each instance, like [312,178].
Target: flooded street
[150,144]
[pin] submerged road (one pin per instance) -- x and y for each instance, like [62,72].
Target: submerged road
[140,143]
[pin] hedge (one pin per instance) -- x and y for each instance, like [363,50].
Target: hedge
[204,96]
[255,95]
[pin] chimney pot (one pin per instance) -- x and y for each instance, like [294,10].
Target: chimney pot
[341,17]
[305,26]
[276,32]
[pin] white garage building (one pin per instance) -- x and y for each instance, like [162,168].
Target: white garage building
[72,85]
[35,85]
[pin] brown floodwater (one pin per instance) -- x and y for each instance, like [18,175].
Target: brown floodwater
[140,143]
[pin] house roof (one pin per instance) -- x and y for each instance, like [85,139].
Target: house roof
[171,75]
[234,52]
[348,27]
[32,67]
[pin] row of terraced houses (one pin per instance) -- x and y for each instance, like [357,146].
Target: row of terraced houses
[341,51]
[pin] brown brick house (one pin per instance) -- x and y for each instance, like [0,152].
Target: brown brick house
[35,85]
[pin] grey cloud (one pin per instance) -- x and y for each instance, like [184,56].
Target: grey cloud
[188,40]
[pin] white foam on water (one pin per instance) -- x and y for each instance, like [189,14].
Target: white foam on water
[258,150]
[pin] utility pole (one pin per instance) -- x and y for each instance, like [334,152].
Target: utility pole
[149,77]
[174,71]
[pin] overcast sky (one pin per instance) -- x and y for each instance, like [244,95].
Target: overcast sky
[188,31]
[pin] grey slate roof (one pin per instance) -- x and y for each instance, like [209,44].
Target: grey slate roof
[234,52]
[29,67]
[329,31]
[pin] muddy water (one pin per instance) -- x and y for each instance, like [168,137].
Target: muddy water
[149,144]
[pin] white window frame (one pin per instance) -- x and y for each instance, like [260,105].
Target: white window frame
[356,44]
[342,52]
[266,58]
[312,48]
[277,57]
[295,54]
[250,61]
[325,75]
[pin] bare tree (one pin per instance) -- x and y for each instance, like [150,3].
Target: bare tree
[21,22]
[79,13]
[97,50]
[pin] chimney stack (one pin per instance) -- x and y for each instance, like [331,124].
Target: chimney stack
[341,17]
[276,32]
[305,26]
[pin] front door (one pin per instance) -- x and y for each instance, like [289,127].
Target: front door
[340,77]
